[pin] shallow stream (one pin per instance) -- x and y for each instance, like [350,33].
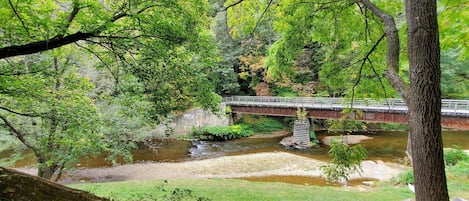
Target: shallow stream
[385,146]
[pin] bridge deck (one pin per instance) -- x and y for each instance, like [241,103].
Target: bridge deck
[455,113]
[450,108]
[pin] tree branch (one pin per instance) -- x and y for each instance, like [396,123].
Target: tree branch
[18,15]
[17,133]
[19,113]
[393,48]
[380,81]
[262,16]
[60,40]
[363,61]
[231,5]
[43,45]
[70,18]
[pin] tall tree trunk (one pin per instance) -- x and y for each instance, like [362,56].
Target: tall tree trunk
[425,100]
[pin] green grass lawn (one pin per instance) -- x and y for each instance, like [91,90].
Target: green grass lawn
[233,189]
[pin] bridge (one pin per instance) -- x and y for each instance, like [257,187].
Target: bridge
[455,113]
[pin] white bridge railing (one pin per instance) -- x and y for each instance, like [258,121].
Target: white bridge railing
[448,107]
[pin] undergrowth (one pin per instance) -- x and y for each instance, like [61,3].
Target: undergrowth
[246,126]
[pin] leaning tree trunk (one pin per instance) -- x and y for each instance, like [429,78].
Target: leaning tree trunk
[425,100]
[20,186]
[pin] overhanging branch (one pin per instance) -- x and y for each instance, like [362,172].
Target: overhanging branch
[19,17]
[262,16]
[393,50]
[231,5]
[363,62]
[40,46]
[71,17]
[59,40]
[19,113]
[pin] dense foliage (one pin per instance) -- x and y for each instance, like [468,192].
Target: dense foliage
[455,156]
[78,78]
[262,124]
[222,133]
[345,58]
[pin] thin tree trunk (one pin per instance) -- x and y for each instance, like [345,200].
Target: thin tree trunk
[425,101]
[45,172]
[409,148]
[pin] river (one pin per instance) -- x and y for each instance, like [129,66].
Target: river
[387,146]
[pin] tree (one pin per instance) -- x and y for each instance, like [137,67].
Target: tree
[425,100]
[224,75]
[163,48]
[50,113]
[303,22]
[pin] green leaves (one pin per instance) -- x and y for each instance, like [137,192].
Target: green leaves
[53,115]
[157,52]
[222,133]
[345,161]
[453,16]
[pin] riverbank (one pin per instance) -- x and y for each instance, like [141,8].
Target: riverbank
[241,166]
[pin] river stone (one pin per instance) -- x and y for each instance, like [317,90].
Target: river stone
[350,139]
[292,142]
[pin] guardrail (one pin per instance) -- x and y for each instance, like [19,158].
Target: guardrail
[448,107]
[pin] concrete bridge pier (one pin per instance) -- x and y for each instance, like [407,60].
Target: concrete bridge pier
[301,129]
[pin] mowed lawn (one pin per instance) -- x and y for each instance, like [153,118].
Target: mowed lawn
[240,190]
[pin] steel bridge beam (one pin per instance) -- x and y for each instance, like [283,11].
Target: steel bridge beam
[368,116]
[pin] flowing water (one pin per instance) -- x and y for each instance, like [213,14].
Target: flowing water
[386,146]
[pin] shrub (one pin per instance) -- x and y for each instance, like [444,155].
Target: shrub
[455,155]
[222,133]
[269,125]
[228,110]
[262,124]
[313,138]
[346,160]
[404,178]
[242,130]
[460,170]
